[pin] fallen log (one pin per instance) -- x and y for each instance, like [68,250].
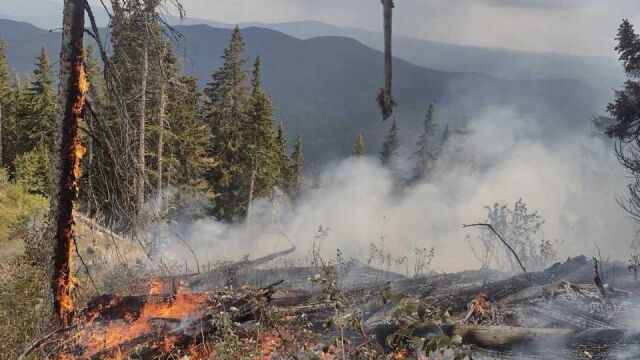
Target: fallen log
[489,337]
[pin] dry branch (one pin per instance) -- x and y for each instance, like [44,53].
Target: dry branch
[503,241]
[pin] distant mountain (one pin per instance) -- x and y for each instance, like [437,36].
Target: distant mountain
[505,63]
[509,64]
[324,88]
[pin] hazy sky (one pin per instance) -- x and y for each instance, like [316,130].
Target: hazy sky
[573,26]
[566,26]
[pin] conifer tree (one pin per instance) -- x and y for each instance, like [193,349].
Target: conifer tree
[391,144]
[225,110]
[186,147]
[283,158]
[626,111]
[445,136]
[4,98]
[427,151]
[260,138]
[43,104]
[358,147]
[296,164]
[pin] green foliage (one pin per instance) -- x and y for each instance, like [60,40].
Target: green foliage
[4,73]
[249,158]
[33,171]
[17,208]
[41,103]
[427,152]
[262,146]
[225,111]
[21,306]
[296,163]
[391,144]
[358,147]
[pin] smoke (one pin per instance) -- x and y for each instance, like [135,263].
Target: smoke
[573,183]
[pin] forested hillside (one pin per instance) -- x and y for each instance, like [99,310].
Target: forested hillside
[323,92]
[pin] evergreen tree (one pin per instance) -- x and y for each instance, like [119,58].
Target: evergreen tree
[225,109]
[358,147]
[445,137]
[391,144]
[296,164]
[263,167]
[39,126]
[626,111]
[188,138]
[282,157]
[4,99]
[427,152]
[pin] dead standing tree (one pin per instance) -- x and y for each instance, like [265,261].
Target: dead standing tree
[385,98]
[71,91]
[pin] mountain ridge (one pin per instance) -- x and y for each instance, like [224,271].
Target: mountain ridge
[324,88]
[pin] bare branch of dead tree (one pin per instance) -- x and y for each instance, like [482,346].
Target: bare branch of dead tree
[502,240]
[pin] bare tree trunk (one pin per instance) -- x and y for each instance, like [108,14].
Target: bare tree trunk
[385,98]
[161,115]
[388,54]
[251,186]
[71,90]
[142,132]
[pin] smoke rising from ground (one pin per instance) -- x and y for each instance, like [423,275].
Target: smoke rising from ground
[573,184]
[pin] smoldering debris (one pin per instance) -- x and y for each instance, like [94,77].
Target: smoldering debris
[557,313]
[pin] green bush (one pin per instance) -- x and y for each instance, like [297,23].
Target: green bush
[18,209]
[33,171]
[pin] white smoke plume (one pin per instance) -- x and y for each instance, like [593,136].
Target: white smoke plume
[573,184]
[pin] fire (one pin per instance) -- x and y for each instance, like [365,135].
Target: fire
[98,337]
[72,152]
[481,304]
[269,343]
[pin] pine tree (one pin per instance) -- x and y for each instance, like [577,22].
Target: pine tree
[225,110]
[186,146]
[261,140]
[626,111]
[4,98]
[296,164]
[282,157]
[358,147]
[43,104]
[427,151]
[445,137]
[391,144]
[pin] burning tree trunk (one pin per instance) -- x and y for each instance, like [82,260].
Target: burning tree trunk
[72,88]
[385,99]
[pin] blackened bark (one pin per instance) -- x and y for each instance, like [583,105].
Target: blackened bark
[71,89]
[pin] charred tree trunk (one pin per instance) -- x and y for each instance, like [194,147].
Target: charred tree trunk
[72,88]
[142,132]
[385,98]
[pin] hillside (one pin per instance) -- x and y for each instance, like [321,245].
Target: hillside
[324,88]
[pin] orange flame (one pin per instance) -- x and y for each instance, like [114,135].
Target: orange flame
[481,304]
[113,335]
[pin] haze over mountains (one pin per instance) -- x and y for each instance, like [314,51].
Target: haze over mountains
[325,87]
